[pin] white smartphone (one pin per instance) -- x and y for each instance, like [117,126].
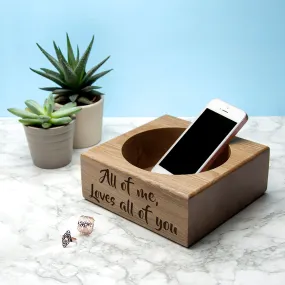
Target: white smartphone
[201,143]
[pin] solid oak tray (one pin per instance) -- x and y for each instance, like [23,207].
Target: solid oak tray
[183,208]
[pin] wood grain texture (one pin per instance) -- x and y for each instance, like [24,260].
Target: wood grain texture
[238,176]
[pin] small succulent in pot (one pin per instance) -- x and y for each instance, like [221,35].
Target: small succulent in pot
[45,117]
[75,83]
[49,133]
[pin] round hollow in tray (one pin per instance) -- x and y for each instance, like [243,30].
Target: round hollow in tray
[145,149]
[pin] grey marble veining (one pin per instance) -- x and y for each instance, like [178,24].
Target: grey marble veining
[37,206]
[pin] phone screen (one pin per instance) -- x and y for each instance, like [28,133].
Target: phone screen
[198,143]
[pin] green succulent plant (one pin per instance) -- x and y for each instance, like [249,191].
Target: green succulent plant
[75,84]
[45,117]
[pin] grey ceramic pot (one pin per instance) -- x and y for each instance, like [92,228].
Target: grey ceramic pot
[51,148]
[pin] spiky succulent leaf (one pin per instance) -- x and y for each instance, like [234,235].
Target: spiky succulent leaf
[52,60]
[60,121]
[30,122]
[69,75]
[35,107]
[56,51]
[95,77]
[94,69]
[78,55]
[68,105]
[65,112]
[61,57]
[51,89]
[73,98]
[96,93]
[62,91]
[60,99]
[51,72]
[90,88]
[46,125]
[80,68]
[85,101]
[70,54]
[23,114]
[50,77]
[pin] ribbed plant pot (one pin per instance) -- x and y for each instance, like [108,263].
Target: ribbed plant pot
[88,125]
[51,148]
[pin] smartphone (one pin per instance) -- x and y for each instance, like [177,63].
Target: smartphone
[200,144]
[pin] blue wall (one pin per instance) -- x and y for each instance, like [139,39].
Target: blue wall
[168,56]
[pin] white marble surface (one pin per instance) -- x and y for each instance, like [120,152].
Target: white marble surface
[36,206]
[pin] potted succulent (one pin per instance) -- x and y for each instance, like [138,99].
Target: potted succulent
[75,85]
[49,133]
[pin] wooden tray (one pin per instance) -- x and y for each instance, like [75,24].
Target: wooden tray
[183,208]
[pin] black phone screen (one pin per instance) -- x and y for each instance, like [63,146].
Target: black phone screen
[198,143]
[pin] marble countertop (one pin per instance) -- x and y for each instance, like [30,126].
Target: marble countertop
[37,206]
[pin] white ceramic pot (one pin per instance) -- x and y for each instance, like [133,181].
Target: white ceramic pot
[88,125]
